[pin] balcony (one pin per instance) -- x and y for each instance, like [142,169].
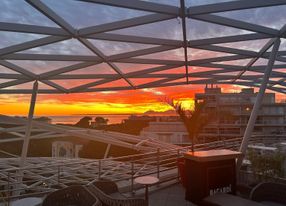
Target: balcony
[44,175]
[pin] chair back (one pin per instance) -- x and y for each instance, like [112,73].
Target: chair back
[72,195]
[270,192]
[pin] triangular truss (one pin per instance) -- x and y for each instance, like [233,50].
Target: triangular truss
[16,130]
[158,70]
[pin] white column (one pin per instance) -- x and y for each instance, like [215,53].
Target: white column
[29,125]
[107,151]
[258,102]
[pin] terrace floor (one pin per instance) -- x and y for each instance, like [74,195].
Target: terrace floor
[169,196]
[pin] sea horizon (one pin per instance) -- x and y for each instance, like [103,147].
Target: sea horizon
[74,118]
[113,118]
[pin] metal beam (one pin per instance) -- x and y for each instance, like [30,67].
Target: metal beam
[139,5]
[136,21]
[34,29]
[18,69]
[224,21]
[233,5]
[135,39]
[43,8]
[253,60]
[13,83]
[229,39]
[185,45]
[91,47]
[258,101]
[31,44]
[29,125]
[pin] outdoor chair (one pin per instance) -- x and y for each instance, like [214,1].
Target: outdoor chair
[76,195]
[108,193]
[270,193]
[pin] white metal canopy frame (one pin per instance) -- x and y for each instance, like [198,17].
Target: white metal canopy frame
[218,72]
[213,69]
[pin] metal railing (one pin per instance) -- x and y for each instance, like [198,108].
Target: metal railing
[249,178]
[41,175]
[44,175]
[41,178]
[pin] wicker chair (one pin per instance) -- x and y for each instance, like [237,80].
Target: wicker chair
[107,192]
[269,192]
[73,195]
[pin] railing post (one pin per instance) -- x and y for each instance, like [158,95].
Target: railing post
[8,195]
[99,168]
[132,177]
[178,156]
[158,162]
[59,175]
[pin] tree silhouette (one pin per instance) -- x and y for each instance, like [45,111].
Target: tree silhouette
[99,121]
[84,122]
[194,120]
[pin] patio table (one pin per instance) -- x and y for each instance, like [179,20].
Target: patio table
[146,181]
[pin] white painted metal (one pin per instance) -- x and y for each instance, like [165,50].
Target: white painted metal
[159,12]
[258,102]
[219,69]
[107,151]
[45,130]
[139,5]
[29,125]
[233,5]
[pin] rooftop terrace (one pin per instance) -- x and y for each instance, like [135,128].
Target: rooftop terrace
[67,47]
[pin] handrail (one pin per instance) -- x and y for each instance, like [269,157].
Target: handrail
[51,175]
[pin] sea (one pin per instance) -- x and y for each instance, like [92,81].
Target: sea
[72,119]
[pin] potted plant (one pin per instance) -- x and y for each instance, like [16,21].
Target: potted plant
[194,120]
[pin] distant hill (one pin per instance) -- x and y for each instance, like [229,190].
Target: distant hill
[165,113]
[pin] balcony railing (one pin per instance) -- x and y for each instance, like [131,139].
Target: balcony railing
[44,175]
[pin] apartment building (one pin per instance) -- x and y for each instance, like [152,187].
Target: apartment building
[233,111]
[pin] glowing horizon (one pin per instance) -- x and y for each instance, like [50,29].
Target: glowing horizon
[105,103]
[140,71]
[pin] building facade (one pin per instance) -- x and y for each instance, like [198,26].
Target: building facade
[167,131]
[233,111]
[65,149]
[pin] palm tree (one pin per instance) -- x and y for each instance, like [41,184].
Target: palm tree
[84,122]
[194,120]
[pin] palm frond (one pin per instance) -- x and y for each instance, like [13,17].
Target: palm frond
[194,120]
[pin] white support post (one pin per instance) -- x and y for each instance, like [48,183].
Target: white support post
[29,125]
[258,102]
[107,151]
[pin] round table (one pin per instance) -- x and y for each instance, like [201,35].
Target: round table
[146,180]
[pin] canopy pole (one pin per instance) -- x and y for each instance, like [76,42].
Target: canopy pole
[258,102]
[107,151]
[185,44]
[29,124]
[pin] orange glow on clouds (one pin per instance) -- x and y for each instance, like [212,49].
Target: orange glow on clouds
[121,102]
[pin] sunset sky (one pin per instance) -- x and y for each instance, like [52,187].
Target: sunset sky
[118,102]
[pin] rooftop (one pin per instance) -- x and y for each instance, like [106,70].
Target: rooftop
[109,46]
